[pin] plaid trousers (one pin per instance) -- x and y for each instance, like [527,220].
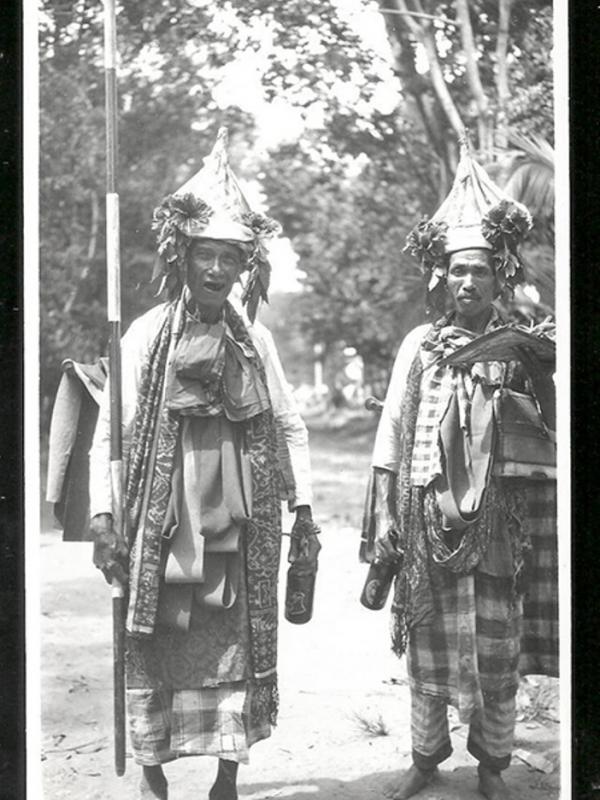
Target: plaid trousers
[491,732]
[467,657]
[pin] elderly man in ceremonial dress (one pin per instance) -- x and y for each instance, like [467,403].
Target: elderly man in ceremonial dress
[213,441]
[467,527]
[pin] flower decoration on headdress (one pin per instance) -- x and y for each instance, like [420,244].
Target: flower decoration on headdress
[262,227]
[427,243]
[505,226]
[506,222]
[180,210]
[173,219]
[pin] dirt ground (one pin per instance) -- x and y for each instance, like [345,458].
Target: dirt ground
[343,729]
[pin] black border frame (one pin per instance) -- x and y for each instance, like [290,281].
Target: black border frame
[12,576]
[584,58]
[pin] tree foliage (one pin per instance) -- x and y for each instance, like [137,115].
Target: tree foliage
[346,193]
[471,48]
[531,105]
[349,227]
[167,120]
[457,64]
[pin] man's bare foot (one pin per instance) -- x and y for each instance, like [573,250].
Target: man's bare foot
[224,787]
[491,784]
[153,785]
[413,780]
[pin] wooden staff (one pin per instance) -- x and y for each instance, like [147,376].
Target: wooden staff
[113,276]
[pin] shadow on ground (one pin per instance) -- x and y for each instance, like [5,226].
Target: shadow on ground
[459,783]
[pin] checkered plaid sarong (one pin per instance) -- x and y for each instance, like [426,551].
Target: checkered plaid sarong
[539,642]
[482,633]
[166,724]
[470,649]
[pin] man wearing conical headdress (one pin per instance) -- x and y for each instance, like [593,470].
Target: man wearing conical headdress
[469,532]
[213,442]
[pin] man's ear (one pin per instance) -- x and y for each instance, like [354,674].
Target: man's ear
[499,283]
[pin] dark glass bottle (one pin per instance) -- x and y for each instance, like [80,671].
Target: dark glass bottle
[377,585]
[299,594]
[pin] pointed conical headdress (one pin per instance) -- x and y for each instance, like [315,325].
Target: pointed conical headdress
[476,214]
[211,205]
[216,184]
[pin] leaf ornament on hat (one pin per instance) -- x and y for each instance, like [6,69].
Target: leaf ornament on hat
[257,285]
[476,214]
[211,205]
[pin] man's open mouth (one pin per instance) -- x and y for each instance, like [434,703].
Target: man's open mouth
[214,286]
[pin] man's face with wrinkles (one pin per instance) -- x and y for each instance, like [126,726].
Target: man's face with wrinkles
[471,281]
[213,267]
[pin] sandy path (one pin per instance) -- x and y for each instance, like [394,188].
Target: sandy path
[332,670]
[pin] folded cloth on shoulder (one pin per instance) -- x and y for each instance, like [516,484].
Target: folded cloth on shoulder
[71,432]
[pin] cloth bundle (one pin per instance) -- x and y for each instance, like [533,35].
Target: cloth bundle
[210,503]
[213,377]
[212,373]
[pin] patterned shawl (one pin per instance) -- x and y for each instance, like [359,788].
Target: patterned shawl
[147,494]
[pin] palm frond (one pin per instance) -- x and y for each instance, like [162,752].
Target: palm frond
[530,176]
[532,183]
[534,147]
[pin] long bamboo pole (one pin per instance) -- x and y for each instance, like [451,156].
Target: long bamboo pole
[113,276]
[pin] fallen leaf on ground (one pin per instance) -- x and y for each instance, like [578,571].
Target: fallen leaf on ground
[535,760]
[87,747]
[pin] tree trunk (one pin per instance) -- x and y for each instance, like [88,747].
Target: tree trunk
[433,103]
[424,33]
[439,84]
[485,121]
[414,86]
[502,86]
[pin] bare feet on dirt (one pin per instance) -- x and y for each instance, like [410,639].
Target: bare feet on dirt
[413,780]
[491,784]
[153,785]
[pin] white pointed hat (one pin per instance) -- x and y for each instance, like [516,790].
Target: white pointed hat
[216,184]
[211,205]
[472,195]
[475,214]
